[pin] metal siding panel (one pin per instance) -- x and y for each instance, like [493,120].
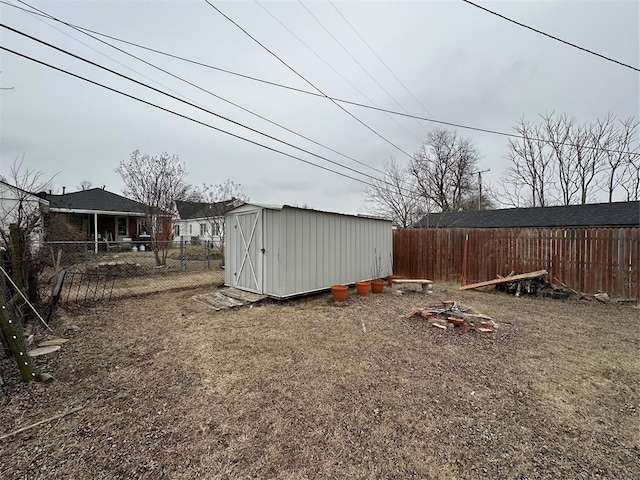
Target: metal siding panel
[309,251]
[313,263]
[269,271]
[299,229]
[229,250]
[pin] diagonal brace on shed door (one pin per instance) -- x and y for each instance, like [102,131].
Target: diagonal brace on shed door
[246,250]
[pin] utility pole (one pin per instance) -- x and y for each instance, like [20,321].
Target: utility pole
[480,172]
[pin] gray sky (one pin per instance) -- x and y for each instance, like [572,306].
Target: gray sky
[464,66]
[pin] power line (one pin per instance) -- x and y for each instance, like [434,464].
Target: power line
[381,60]
[314,94]
[337,72]
[362,67]
[271,137]
[2,47]
[204,90]
[551,36]
[89,46]
[305,79]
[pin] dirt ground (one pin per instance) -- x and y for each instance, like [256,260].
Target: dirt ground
[297,389]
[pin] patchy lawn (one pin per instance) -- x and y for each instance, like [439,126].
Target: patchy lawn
[174,390]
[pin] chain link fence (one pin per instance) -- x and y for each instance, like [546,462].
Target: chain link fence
[96,271]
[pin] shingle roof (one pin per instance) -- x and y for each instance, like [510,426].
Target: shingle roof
[193,210]
[616,214]
[95,199]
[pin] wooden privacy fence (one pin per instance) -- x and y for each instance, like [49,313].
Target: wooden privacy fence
[585,259]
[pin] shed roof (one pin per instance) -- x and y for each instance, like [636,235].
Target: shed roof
[95,200]
[194,210]
[284,206]
[615,214]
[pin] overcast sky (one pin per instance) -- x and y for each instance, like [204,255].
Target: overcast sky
[462,64]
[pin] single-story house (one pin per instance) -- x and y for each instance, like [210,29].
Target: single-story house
[21,207]
[594,215]
[202,221]
[103,216]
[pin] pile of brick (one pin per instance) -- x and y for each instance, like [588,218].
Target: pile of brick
[449,315]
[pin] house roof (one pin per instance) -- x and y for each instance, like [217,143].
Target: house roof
[94,200]
[18,189]
[616,214]
[195,210]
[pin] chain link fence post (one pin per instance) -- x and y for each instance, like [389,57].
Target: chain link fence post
[183,263]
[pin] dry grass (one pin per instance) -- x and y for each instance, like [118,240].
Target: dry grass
[293,390]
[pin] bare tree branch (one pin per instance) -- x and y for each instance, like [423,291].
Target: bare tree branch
[444,169]
[155,182]
[390,196]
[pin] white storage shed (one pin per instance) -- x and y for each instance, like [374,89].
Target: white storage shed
[283,251]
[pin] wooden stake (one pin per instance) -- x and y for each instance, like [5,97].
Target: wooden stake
[47,420]
[15,339]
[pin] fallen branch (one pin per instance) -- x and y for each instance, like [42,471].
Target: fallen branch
[50,419]
[364,328]
[568,288]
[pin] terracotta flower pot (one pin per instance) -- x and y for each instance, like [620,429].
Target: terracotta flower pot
[391,278]
[377,286]
[363,288]
[339,293]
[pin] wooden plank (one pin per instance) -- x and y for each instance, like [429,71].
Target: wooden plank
[522,276]
[242,295]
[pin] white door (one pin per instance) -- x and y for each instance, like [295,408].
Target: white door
[248,254]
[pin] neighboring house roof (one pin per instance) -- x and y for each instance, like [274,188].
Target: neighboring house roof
[616,214]
[198,210]
[95,200]
[4,185]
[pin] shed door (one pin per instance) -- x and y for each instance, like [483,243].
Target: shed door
[248,254]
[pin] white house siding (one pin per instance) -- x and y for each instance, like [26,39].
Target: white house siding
[306,250]
[186,234]
[9,204]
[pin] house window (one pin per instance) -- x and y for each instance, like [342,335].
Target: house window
[176,230]
[203,229]
[190,229]
[157,224]
[123,227]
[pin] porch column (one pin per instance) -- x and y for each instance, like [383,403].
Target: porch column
[95,231]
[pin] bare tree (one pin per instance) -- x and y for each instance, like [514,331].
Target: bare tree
[620,158]
[219,198]
[394,196]
[444,169]
[85,185]
[532,164]
[155,182]
[557,131]
[589,143]
[582,158]
[630,182]
[21,227]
